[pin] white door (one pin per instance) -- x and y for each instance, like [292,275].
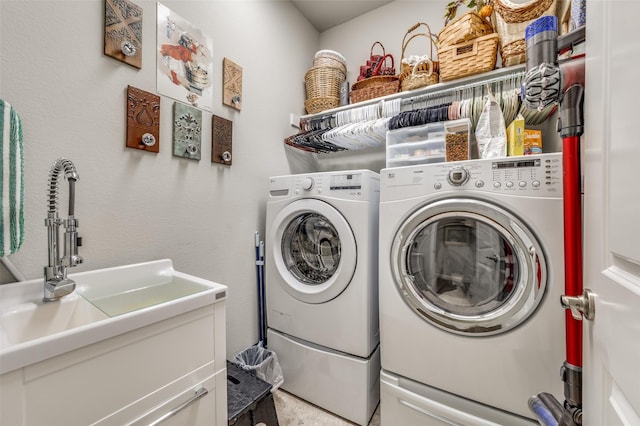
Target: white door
[611,154]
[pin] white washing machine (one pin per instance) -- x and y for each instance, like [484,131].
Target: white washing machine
[322,288]
[471,273]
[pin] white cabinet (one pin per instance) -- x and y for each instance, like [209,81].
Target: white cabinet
[134,378]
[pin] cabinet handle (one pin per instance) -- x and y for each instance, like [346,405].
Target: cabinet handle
[199,394]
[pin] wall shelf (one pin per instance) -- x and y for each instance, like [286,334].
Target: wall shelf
[435,90]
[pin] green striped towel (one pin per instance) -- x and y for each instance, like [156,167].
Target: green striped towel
[12,189]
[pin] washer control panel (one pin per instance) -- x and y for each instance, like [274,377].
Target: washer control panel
[535,175]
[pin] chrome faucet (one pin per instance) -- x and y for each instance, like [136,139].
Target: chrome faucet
[56,283]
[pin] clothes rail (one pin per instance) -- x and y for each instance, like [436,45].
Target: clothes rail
[466,90]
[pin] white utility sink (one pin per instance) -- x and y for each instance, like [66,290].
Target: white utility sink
[32,320]
[106,303]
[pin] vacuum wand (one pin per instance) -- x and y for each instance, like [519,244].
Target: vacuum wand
[548,82]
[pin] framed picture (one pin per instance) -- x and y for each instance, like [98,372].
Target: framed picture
[184,61]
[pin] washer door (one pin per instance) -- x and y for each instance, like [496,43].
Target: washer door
[314,250]
[468,267]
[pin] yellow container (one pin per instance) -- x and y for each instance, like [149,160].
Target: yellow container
[515,137]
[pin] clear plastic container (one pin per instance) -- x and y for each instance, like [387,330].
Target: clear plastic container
[416,145]
[457,139]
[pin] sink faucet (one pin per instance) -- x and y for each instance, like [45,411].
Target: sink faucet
[56,283]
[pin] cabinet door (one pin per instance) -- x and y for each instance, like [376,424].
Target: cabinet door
[129,375]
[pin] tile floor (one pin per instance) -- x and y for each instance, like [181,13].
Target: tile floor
[293,411]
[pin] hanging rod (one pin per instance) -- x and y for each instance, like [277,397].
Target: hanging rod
[457,89]
[429,92]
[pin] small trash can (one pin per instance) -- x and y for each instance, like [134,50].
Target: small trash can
[263,363]
[249,401]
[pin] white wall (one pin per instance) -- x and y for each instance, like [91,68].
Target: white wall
[388,25]
[137,206]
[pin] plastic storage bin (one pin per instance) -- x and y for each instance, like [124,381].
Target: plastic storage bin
[457,135]
[416,145]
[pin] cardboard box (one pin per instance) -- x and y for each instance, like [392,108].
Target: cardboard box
[515,137]
[532,142]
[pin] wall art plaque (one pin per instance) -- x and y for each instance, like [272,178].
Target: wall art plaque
[123,31]
[143,120]
[221,140]
[232,84]
[187,131]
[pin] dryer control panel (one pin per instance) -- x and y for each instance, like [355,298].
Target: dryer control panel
[535,175]
[356,185]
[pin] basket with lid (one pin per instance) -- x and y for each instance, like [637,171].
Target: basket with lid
[466,27]
[330,58]
[468,58]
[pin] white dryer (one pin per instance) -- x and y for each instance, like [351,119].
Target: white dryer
[322,288]
[471,273]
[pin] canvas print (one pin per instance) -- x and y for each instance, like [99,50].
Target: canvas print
[184,61]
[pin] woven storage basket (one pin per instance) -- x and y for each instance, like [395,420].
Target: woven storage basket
[314,105]
[374,87]
[322,82]
[330,58]
[466,27]
[406,68]
[511,20]
[468,58]
[419,77]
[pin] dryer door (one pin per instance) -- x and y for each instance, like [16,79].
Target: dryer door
[469,266]
[314,250]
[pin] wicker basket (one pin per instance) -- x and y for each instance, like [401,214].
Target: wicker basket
[323,82]
[419,77]
[466,27]
[406,68]
[314,105]
[468,58]
[330,58]
[511,20]
[374,87]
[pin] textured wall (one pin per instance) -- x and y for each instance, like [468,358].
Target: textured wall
[136,206]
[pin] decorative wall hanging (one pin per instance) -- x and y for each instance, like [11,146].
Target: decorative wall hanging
[232,84]
[187,130]
[221,140]
[185,65]
[143,120]
[123,31]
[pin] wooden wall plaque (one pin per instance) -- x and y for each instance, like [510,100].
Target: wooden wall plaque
[221,140]
[143,120]
[123,32]
[231,84]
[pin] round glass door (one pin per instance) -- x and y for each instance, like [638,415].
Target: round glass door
[311,248]
[469,267]
[314,250]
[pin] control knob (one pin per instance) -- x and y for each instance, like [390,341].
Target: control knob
[307,183]
[458,176]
